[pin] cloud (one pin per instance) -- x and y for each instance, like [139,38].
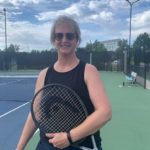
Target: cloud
[140,24]
[99,20]
[77,10]
[117,5]
[45,16]
[83,11]
[23,2]
[30,35]
[16,13]
[106,16]
[141,20]
[96,5]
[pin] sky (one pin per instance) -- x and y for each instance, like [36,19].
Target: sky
[29,21]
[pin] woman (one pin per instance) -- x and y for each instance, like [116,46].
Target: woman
[83,78]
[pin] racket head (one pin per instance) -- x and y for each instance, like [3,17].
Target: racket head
[57,108]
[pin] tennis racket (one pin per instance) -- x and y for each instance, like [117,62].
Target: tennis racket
[57,108]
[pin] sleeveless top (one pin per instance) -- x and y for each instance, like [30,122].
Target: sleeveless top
[74,79]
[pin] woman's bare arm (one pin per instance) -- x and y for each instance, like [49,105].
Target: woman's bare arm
[102,113]
[29,127]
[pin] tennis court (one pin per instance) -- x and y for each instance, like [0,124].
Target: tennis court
[129,127]
[15,93]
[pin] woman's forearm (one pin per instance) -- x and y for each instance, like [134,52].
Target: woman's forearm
[93,123]
[27,133]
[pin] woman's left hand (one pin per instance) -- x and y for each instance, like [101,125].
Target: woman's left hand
[58,140]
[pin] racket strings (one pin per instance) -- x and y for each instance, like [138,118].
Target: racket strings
[58,110]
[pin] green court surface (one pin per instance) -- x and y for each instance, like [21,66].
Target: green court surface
[129,128]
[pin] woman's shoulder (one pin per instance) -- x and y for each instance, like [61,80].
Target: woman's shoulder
[43,73]
[90,68]
[90,72]
[41,79]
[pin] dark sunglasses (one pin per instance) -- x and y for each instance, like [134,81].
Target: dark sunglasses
[69,36]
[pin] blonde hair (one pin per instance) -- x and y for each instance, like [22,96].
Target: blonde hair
[63,19]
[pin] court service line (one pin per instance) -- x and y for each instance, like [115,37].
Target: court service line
[5,114]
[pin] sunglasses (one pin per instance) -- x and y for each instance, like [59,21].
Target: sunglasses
[69,36]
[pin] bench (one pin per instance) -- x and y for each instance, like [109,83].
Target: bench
[130,80]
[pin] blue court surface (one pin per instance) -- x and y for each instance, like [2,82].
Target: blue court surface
[16,93]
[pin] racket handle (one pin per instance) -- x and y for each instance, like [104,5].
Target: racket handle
[69,138]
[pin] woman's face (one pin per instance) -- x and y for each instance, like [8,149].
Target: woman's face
[65,39]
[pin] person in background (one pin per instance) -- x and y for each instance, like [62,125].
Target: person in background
[83,78]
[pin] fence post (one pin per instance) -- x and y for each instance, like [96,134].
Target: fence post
[145,75]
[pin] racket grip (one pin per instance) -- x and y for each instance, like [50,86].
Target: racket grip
[69,138]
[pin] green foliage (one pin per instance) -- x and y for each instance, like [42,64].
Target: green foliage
[12,48]
[142,42]
[141,46]
[35,59]
[123,46]
[95,47]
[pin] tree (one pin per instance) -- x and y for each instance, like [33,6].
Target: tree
[1,60]
[143,40]
[98,46]
[122,47]
[88,47]
[140,46]
[137,57]
[95,47]
[10,56]
[12,48]
[120,51]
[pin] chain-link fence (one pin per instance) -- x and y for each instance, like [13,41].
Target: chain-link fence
[143,72]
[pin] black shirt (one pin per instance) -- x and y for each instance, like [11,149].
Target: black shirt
[74,79]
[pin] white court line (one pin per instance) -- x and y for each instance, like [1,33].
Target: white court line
[36,131]
[10,82]
[18,76]
[5,114]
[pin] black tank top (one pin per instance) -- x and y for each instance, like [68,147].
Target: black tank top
[75,80]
